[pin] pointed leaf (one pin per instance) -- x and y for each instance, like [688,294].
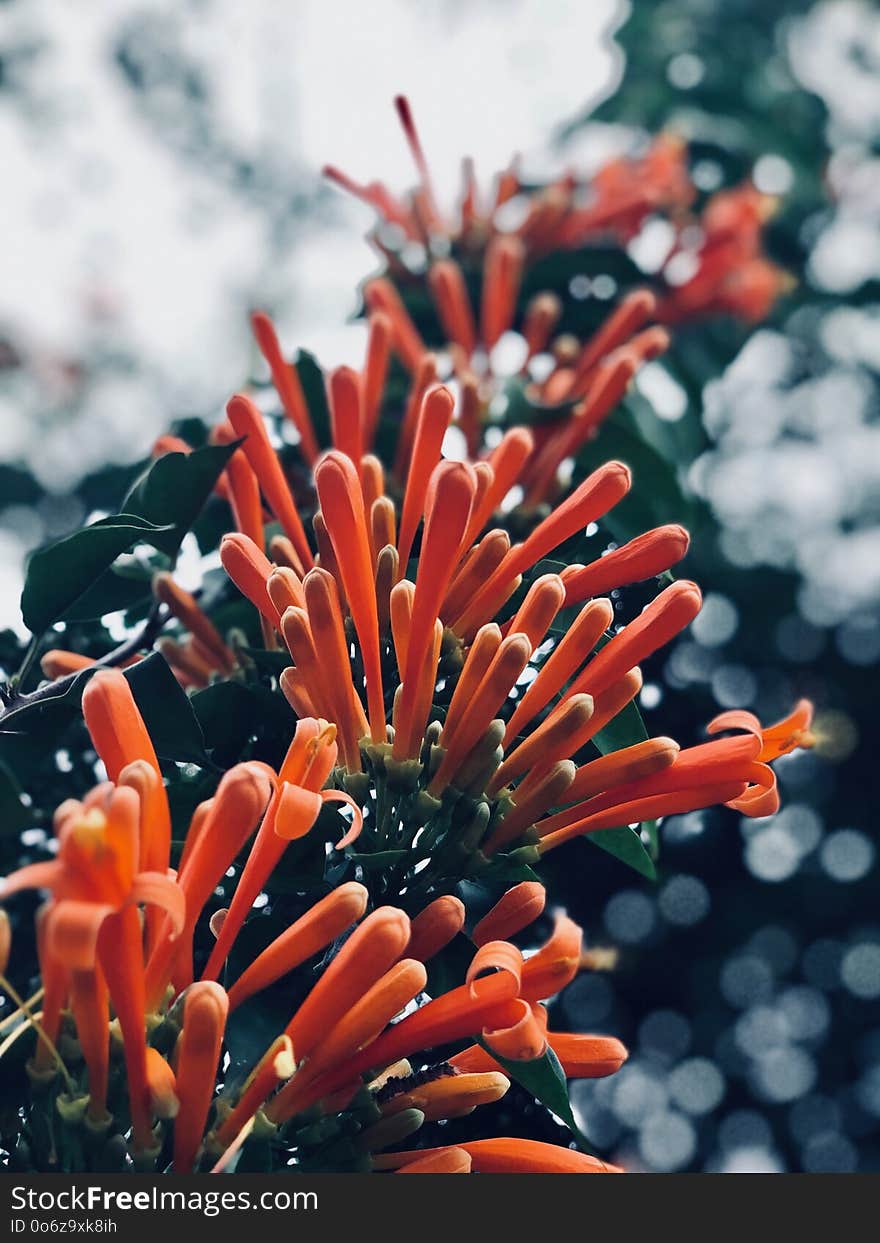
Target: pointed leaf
[60,574]
[173,489]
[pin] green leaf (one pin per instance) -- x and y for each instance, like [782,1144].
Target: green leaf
[544,1077]
[627,846]
[167,711]
[522,408]
[503,871]
[273,663]
[623,730]
[311,377]
[656,496]
[173,489]
[60,574]
[112,592]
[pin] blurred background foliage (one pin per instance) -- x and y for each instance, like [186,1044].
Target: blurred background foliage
[748,979]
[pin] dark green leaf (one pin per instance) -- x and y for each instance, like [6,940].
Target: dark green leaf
[624,730]
[173,489]
[656,496]
[545,1079]
[273,663]
[625,844]
[523,408]
[227,715]
[167,711]
[60,574]
[311,377]
[111,593]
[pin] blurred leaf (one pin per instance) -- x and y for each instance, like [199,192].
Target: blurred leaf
[273,663]
[656,496]
[311,377]
[523,408]
[59,575]
[173,489]
[381,859]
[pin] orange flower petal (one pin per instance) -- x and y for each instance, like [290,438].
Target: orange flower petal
[659,622]
[518,908]
[205,1009]
[435,926]
[287,384]
[342,506]
[367,954]
[248,422]
[308,935]
[434,415]
[114,721]
[642,558]
[249,569]
[440,1161]
[522,1041]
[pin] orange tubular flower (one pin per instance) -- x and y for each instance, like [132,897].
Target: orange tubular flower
[453,1096]
[451,495]
[726,770]
[581,1057]
[519,907]
[185,608]
[438,1161]
[779,739]
[645,556]
[247,421]
[205,1008]
[435,926]
[343,509]
[504,1156]
[58,664]
[286,381]
[242,488]
[235,811]
[309,934]
[659,622]
[296,804]
[250,570]
[92,926]
[115,723]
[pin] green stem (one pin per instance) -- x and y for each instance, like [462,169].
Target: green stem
[39,1029]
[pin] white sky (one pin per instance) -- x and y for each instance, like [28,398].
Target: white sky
[98,214]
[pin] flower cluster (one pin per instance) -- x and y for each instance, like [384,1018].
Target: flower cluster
[450,698]
[713,263]
[338,1077]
